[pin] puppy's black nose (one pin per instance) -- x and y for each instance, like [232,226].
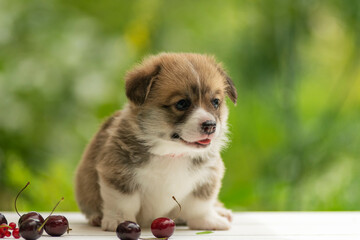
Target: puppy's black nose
[208,127]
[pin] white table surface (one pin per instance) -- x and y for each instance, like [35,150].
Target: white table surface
[246,225]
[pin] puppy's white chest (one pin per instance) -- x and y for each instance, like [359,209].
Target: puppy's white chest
[162,178]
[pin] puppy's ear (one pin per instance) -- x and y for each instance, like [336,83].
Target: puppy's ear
[139,81]
[230,86]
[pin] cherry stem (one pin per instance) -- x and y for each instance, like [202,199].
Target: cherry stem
[56,206]
[179,208]
[18,196]
[42,225]
[50,215]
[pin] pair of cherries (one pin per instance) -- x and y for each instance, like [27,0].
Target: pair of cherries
[32,224]
[161,228]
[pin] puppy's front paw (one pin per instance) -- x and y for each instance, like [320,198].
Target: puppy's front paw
[209,222]
[109,224]
[224,213]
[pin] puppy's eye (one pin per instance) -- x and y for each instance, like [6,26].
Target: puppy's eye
[215,102]
[183,104]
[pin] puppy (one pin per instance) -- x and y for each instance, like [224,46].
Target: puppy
[165,142]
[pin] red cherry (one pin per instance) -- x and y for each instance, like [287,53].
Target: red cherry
[56,225]
[163,227]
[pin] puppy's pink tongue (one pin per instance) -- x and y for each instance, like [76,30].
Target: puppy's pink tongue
[204,141]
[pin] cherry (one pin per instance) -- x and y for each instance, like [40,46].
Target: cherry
[31,229]
[163,227]
[56,225]
[2,219]
[30,215]
[128,231]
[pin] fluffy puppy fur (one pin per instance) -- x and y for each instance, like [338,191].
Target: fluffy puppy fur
[165,142]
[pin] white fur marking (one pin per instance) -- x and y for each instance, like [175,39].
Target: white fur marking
[117,207]
[196,74]
[191,129]
[161,179]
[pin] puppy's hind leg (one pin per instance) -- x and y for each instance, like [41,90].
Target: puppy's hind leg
[117,206]
[87,193]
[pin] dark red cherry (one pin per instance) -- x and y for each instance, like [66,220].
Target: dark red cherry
[56,225]
[128,231]
[3,219]
[31,215]
[163,227]
[31,229]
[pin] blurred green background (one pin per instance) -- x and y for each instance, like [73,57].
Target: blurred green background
[295,130]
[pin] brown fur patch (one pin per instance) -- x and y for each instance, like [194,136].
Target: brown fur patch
[139,81]
[121,156]
[198,162]
[206,190]
[157,80]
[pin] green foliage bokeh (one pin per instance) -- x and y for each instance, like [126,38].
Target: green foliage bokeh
[295,132]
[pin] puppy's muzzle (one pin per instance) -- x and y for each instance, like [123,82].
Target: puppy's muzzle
[208,127]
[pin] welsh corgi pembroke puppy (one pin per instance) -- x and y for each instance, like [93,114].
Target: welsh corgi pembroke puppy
[165,142]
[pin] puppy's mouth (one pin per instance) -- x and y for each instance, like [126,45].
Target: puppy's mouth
[203,143]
